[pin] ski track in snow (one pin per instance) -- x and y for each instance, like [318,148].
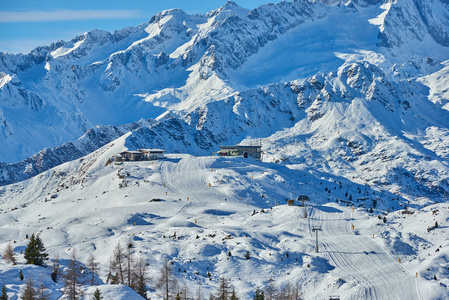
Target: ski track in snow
[98,205]
[350,253]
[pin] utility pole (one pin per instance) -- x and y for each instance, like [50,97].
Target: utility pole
[316,229]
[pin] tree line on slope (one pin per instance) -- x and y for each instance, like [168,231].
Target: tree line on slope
[125,269]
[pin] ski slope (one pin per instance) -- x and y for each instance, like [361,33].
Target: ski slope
[196,210]
[370,271]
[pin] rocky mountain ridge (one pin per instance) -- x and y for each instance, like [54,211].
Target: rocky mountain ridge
[349,99]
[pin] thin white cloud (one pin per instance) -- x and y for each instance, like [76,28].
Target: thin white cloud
[67,15]
[23,45]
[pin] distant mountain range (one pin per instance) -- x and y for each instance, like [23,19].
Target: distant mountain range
[360,90]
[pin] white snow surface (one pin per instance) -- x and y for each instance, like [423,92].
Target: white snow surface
[438,83]
[353,97]
[194,210]
[179,63]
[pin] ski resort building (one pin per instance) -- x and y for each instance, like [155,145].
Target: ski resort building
[239,150]
[140,155]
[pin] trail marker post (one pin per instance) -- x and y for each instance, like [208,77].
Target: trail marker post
[316,229]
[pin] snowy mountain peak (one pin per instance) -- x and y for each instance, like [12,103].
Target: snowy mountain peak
[348,101]
[230,8]
[276,72]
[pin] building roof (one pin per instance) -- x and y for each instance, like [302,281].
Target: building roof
[130,152]
[239,146]
[152,150]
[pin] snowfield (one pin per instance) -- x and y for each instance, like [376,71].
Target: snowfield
[349,102]
[195,210]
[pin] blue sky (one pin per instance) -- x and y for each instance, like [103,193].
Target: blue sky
[26,24]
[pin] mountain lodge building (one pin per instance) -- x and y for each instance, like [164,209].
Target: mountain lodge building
[141,155]
[240,150]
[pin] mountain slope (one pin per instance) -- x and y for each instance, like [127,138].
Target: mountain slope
[167,209]
[180,62]
[353,123]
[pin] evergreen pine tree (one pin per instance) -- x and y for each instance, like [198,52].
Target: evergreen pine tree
[436,224]
[140,287]
[233,295]
[97,295]
[385,219]
[129,266]
[4,296]
[55,270]
[140,279]
[371,210]
[21,277]
[247,255]
[259,294]
[35,251]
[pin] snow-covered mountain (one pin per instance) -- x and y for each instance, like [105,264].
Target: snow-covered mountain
[352,97]
[342,87]
[205,213]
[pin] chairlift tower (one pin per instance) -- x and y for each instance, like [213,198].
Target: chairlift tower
[303,199]
[316,229]
[284,159]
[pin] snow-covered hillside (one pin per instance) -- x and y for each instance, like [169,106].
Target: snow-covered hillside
[204,213]
[352,96]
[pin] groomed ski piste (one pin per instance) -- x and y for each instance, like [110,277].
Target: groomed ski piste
[204,213]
